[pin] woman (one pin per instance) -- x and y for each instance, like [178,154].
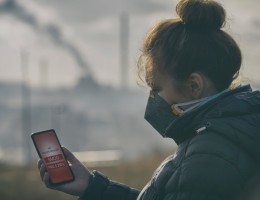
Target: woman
[190,65]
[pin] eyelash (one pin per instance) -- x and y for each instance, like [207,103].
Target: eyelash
[155,89]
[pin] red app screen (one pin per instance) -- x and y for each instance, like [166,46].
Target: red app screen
[52,155]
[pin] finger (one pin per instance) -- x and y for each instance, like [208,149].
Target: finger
[48,184]
[39,164]
[70,157]
[43,170]
[46,180]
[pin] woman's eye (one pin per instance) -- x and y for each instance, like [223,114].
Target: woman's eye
[155,89]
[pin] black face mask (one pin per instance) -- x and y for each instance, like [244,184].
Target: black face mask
[159,113]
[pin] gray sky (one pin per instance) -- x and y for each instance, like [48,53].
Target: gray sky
[70,34]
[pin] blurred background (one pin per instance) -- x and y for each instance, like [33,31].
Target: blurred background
[71,66]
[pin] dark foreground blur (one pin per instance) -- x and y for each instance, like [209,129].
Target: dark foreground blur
[24,182]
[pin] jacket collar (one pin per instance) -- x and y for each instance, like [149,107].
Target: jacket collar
[185,126]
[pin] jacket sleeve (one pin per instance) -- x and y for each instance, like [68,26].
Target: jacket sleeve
[101,188]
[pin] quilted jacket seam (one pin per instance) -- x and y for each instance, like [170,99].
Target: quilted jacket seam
[219,157]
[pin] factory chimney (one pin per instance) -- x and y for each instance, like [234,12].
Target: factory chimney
[26,108]
[124,49]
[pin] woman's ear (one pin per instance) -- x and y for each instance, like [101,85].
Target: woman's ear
[196,85]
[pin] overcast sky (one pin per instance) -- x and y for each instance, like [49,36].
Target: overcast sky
[72,35]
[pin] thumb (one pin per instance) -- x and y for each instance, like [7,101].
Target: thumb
[69,156]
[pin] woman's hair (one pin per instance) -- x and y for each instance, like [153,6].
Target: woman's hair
[194,42]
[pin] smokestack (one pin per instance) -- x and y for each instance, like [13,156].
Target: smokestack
[43,73]
[124,39]
[26,109]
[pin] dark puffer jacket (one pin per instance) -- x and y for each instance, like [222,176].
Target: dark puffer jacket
[217,158]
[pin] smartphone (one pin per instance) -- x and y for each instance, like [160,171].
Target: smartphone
[50,151]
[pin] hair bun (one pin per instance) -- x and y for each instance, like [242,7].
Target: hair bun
[201,14]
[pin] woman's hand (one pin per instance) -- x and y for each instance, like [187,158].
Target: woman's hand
[81,175]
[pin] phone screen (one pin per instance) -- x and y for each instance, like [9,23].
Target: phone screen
[50,151]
